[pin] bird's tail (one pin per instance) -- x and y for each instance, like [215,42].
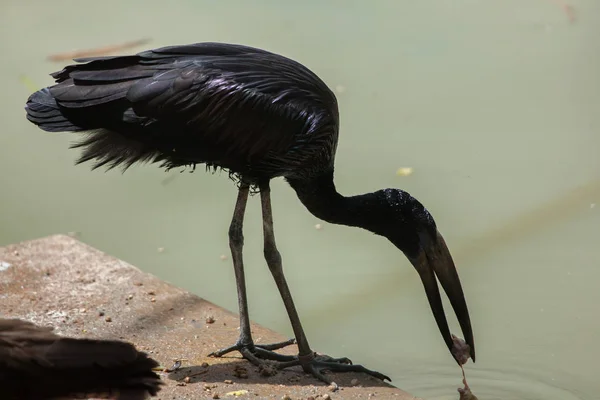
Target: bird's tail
[43,110]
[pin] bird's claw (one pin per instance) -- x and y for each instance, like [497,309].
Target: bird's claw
[327,359]
[316,364]
[334,365]
[258,351]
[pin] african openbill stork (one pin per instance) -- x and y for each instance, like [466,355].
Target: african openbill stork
[260,116]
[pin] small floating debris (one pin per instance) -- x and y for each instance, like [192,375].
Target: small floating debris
[100,51]
[340,89]
[28,83]
[223,257]
[568,9]
[404,171]
[318,227]
[160,249]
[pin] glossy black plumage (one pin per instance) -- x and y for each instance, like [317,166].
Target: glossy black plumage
[36,364]
[246,110]
[259,115]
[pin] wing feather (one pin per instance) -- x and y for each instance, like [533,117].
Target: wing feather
[204,102]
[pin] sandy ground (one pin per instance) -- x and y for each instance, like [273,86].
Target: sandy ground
[83,292]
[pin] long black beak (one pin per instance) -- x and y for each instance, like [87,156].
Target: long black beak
[433,260]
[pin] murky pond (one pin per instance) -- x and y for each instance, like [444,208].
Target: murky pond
[493,104]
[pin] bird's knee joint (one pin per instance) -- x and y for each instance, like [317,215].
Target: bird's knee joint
[272,256]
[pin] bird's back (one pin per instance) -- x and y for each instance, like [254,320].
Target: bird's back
[38,364]
[253,112]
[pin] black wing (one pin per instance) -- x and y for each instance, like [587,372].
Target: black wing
[36,363]
[205,102]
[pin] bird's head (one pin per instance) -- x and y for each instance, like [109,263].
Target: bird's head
[411,228]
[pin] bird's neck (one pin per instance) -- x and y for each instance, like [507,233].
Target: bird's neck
[321,198]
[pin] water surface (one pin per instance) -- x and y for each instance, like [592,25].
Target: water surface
[493,104]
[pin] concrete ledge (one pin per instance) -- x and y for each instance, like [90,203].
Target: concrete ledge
[81,291]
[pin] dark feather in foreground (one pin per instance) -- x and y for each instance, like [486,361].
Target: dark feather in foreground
[37,364]
[246,110]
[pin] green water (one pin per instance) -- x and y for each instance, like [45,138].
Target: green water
[493,104]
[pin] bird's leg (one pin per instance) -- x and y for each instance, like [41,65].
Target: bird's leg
[245,344]
[308,359]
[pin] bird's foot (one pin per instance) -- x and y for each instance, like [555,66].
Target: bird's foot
[269,362]
[312,364]
[258,352]
[316,364]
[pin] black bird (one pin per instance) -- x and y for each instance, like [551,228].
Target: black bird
[36,364]
[260,116]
